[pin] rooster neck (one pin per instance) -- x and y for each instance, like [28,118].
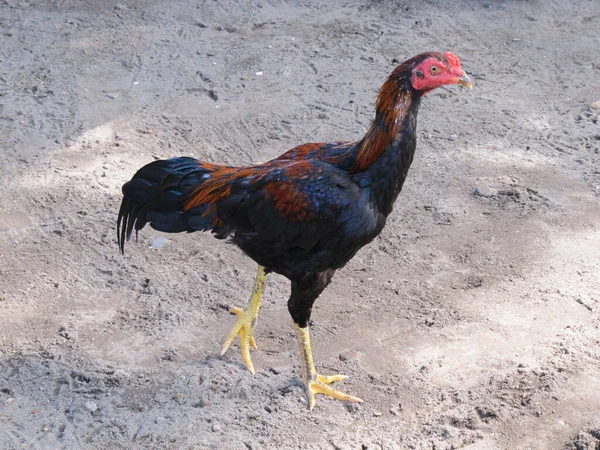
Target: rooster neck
[395,102]
[386,152]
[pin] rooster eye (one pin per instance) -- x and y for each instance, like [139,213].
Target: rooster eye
[434,70]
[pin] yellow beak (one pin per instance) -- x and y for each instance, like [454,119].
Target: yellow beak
[465,81]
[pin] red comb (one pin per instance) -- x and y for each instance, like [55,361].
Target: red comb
[453,59]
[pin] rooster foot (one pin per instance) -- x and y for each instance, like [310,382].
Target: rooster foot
[243,327]
[314,383]
[319,384]
[246,321]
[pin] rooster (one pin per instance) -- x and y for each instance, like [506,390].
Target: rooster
[303,215]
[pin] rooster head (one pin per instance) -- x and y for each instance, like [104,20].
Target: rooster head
[432,70]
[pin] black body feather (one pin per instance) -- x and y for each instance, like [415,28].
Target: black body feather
[303,215]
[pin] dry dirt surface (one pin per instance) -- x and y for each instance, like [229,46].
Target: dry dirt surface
[472,321]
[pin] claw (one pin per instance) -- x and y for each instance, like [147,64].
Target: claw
[235,310]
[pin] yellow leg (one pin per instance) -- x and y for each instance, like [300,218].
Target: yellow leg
[247,320]
[313,382]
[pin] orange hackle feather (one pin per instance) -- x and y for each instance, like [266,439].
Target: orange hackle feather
[391,107]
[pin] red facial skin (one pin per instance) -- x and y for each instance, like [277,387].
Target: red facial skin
[433,73]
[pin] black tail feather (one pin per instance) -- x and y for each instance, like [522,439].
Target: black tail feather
[157,195]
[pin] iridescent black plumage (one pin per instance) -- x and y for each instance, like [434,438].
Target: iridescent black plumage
[305,214]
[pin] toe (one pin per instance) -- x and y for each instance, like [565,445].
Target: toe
[230,338]
[245,342]
[321,388]
[320,385]
[331,378]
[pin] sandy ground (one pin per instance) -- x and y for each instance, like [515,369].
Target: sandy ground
[471,322]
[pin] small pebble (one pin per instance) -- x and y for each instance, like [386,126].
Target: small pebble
[259,73]
[377,414]
[204,402]
[348,355]
[158,243]
[176,396]
[111,96]
[394,411]
[216,427]
[484,191]
[91,406]
[595,105]
[9,401]
[452,137]
[275,370]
